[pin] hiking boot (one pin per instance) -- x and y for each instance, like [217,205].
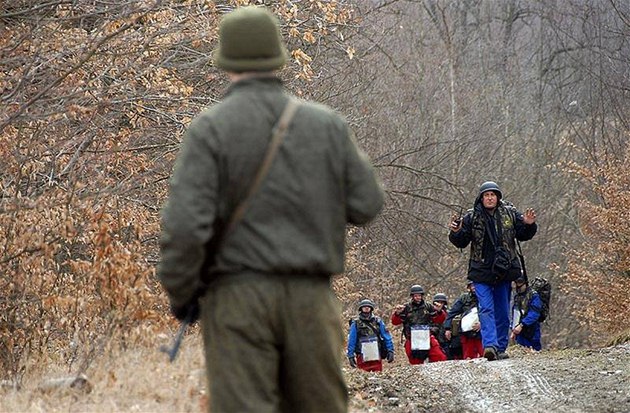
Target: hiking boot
[503,356]
[490,353]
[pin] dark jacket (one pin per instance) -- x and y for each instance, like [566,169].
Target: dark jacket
[464,303]
[319,181]
[414,314]
[480,229]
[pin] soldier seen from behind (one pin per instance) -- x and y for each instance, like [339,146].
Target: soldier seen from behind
[417,316]
[368,340]
[526,315]
[492,228]
[470,340]
[260,278]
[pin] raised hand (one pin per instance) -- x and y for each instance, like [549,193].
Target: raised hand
[455,223]
[529,217]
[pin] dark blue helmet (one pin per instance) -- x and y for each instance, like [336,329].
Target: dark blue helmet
[366,303]
[416,289]
[490,186]
[440,297]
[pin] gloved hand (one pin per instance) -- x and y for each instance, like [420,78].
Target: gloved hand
[189,312]
[353,362]
[390,356]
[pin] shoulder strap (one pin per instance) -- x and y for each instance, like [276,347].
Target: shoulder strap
[521,258]
[526,300]
[376,332]
[278,132]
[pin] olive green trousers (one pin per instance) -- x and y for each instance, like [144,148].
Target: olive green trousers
[272,344]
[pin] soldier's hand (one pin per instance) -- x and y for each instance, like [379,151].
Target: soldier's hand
[476,326]
[390,356]
[448,335]
[399,308]
[353,362]
[529,217]
[455,223]
[189,311]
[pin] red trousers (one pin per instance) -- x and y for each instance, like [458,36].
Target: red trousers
[375,365]
[435,352]
[472,347]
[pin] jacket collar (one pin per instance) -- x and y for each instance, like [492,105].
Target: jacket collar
[267,82]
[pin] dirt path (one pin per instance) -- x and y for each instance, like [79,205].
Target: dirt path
[142,380]
[554,381]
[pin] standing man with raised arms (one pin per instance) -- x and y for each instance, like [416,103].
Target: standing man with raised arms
[492,228]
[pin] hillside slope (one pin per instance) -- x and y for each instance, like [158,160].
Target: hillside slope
[142,380]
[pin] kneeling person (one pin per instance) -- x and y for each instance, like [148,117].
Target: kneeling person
[526,315]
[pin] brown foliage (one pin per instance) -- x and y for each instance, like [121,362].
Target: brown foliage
[598,273]
[96,98]
[72,274]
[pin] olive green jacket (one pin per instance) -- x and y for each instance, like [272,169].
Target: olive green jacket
[295,224]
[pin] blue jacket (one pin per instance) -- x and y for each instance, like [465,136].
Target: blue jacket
[354,336]
[529,304]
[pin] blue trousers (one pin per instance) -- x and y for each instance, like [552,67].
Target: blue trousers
[494,314]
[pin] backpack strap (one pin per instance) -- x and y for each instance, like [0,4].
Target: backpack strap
[521,258]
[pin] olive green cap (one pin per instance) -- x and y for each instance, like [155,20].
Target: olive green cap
[249,40]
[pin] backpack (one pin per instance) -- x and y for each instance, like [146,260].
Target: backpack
[543,288]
